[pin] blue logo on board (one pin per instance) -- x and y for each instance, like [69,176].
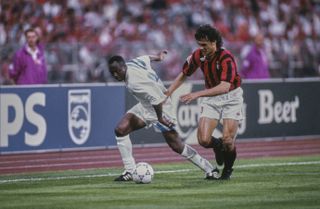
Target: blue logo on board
[79,115]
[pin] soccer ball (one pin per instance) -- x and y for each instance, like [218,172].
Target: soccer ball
[143,174]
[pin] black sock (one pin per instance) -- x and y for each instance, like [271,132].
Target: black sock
[216,142]
[229,158]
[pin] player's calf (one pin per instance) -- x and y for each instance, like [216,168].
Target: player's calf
[218,150]
[229,159]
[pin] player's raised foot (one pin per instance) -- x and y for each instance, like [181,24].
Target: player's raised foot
[126,176]
[226,174]
[218,151]
[213,175]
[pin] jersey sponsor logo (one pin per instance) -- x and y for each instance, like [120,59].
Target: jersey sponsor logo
[79,115]
[218,66]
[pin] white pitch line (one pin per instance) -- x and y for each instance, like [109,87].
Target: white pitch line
[157,172]
[277,164]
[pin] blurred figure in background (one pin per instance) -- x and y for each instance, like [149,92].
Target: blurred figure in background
[255,64]
[4,72]
[29,65]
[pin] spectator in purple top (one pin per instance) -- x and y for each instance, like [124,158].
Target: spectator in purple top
[255,64]
[29,65]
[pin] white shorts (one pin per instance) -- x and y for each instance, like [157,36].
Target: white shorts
[149,116]
[223,106]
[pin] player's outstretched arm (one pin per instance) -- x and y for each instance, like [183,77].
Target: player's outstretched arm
[159,57]
[176,83]
[222,88]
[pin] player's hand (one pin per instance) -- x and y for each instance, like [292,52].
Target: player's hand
[166,122]
[162,54]
[187,98]
[167,96]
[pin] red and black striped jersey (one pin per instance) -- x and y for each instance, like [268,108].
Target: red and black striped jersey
[222,67]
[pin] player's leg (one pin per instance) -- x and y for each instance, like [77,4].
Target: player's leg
[231,115]
[176,144]
[205,129]
[174,141]
[230,128]
[205,138]
[129,123]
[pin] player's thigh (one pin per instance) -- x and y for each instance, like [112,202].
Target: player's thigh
[230,127]
[205,129]
[129,123]
[209,118]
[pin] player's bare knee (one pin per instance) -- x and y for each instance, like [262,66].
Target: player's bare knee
[120,132]
[205,142]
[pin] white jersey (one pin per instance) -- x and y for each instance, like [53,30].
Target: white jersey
[143,82]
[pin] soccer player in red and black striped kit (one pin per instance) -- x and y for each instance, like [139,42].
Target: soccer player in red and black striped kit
[222,97]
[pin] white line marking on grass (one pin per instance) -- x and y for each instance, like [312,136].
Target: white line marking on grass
[56,178]
[277,164]
[34,179]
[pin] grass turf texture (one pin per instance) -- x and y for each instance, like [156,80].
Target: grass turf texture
[261,183]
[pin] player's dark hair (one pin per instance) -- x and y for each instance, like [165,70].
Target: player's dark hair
[207,32]
[30,30]
[116,58]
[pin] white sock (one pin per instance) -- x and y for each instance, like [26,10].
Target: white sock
[125,148]
[193,156]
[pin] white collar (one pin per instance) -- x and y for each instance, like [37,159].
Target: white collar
[30,51]
[33,53]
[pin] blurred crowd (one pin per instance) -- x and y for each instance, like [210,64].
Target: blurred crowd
[79,34]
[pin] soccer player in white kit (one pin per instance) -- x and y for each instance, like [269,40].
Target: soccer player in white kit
[154,109]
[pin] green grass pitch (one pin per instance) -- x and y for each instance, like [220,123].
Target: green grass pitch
[291,182]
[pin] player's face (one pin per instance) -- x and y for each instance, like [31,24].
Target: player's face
[259,40]
[32,38]
[208,48]
[118,71]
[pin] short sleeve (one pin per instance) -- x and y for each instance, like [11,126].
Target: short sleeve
[192,63]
